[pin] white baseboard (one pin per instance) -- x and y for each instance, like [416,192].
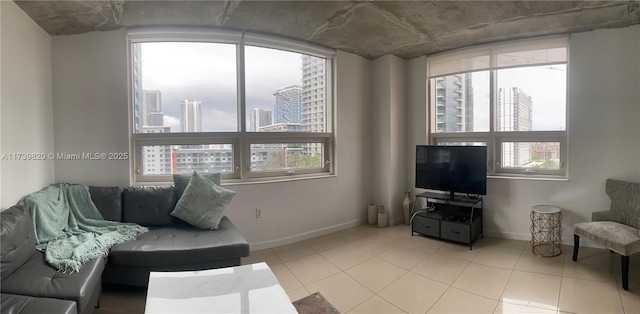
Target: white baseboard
[304,236]
[526,236]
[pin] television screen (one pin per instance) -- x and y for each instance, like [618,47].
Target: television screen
[461,169]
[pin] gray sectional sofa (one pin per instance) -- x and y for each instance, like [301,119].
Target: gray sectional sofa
[28,284]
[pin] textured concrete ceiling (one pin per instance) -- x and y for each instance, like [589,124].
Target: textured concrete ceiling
[368,28]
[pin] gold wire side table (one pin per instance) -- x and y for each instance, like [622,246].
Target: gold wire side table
[546,230]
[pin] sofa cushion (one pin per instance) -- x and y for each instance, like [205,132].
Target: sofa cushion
[37,279]
[181,180]
[149,205]
[17,240]
[17,304]
[617,237]
[203,203]
[162,247]
[108,200]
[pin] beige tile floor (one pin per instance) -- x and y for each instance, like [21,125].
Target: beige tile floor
[367,269]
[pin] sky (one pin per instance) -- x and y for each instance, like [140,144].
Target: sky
[545,84]
[207,72]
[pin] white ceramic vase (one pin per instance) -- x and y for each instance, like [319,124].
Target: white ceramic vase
[382,217]
[372,212]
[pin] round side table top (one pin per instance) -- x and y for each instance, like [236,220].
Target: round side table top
[546,209]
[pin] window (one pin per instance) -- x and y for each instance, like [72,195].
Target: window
[511,97]
[249,107]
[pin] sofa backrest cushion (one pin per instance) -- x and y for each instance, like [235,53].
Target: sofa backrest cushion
[108,200]
[17,239]
[625,202]
[149,205]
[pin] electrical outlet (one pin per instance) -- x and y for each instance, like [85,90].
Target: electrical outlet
[258,213]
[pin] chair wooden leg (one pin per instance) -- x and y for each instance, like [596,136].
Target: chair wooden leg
[625,272]
[576,246]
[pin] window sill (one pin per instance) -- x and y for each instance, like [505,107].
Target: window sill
[234,182]
[529,177]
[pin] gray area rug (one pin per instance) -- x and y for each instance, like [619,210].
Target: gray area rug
[314,304]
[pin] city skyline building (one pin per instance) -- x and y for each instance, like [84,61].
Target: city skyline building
[287,106]
[203,159]
[259,118]
[515,114]
[190,116]
[313,94]
[282,127]
[137,88]
[155,119]
[454,103]
[314,105]
[156,159]
[152,108]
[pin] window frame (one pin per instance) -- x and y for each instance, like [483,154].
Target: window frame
[243,138]
[495,138]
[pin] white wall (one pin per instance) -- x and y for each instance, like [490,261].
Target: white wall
[26,104]
[90,100]
[389,135]
[90,97]
[603,126]
[416,115]
[302,209]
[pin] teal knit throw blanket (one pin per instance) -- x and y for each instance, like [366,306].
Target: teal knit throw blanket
[70,229]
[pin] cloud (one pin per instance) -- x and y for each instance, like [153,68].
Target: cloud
[219,121]
[172,122]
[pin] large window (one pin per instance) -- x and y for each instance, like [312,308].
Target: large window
[511,97]
[249,107]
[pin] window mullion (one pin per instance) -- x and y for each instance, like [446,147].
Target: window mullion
[244,153]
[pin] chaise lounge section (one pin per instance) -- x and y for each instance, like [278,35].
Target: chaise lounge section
[29,285]
[171,244]
[28,282]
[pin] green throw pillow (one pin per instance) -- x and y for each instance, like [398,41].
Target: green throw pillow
[203,203]
[180,181]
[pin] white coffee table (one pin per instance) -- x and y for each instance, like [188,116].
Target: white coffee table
[241,289]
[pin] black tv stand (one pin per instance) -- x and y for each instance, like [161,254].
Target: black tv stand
[449,217]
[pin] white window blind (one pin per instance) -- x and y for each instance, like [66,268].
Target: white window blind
[528,52]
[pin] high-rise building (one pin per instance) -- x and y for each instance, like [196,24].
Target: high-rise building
[314,110]
[259,118]
[191,116]
[137,88]
[514,114]
[313,94]
[200,158]
[156,160]
[287,107]
[151,108]
[454,103]
[155,119]
[282,127]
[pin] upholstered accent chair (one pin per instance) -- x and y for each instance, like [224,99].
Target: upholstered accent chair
[617,228]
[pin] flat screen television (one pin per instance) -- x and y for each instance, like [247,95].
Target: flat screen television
[453,169]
